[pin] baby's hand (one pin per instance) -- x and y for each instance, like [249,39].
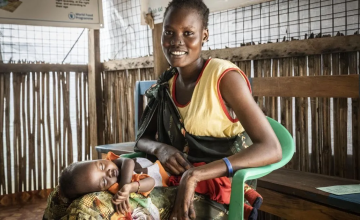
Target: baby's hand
[121,199]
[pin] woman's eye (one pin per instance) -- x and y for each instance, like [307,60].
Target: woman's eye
[188,33]
[167,32]
[102,166]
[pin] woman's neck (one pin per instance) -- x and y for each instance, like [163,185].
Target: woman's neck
[189,74]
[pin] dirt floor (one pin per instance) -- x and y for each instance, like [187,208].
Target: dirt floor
[26,211]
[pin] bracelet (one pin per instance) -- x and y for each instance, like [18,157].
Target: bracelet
[138,187]
[229,167]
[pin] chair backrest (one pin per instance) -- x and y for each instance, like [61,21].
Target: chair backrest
[140,88]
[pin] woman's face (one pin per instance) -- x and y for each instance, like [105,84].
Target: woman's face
[182,37]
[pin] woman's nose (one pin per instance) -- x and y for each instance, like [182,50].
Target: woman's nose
[176,40]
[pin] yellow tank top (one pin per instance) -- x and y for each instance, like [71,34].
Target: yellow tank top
[207,114]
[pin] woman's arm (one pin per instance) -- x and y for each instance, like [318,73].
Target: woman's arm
[265,150]
[171,158]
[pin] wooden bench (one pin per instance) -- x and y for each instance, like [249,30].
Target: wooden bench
[292,194]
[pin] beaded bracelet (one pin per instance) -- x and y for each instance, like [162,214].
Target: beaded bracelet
[229,167]
[138,187]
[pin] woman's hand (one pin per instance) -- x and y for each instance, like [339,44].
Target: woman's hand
[184,208]
[173,160]
[121,199]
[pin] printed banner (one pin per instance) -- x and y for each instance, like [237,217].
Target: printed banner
[157,7]
[56,13]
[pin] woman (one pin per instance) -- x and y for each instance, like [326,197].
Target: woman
[200,110]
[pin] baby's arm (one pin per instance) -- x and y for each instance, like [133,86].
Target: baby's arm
[126,167]
[121,198]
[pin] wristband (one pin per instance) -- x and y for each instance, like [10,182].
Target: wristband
[229,167]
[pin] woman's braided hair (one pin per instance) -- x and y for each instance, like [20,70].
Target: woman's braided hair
[197,5]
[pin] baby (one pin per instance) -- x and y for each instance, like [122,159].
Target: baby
[115,174]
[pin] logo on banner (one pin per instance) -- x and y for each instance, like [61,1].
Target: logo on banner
[71,16]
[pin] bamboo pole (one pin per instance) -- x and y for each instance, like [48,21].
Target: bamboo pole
[354,69]
[2,101]
[23,127]
[69,130]
[326,147]
[56,128]
[7,132]
[38,132]
[314,68]
[48,124]
[123,106]
[86,115]
[16,126]
[303,113]
[297,157]
[343,120]
[336,124]
[44,143]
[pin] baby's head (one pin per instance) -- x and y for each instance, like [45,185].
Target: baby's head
[87,176]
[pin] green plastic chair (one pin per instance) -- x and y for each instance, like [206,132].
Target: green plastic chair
[237,188]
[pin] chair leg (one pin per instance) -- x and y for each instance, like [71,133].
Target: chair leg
[236,209]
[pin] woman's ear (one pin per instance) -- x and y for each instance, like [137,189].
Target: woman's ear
[205,36]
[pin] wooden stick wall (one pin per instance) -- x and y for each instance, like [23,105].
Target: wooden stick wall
[118,95]
[37,135]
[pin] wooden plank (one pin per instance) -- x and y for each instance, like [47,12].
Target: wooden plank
[160,62]
[287,49]
[290,207]
[304,184]
[95,100]
[19,68]
[129,63]
[326,147]
[308,86]
[2,159]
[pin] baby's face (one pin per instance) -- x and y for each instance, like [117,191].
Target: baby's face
[96,175]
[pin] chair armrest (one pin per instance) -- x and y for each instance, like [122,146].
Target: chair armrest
[119,148]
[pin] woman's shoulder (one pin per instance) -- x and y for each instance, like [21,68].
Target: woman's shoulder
[221,64]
